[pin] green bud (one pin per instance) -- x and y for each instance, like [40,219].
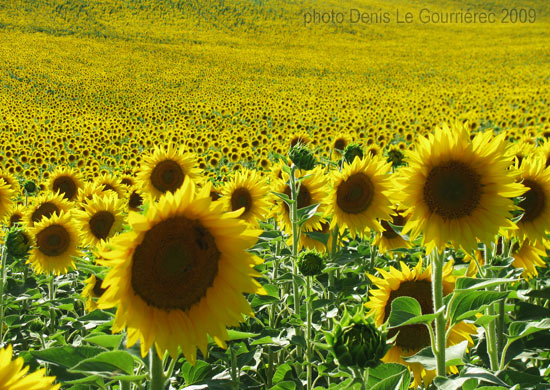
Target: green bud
[18,243]
[36,325]
[310,263]
[30,187]
[395,157]
[302,157]
[352,151]
[357,342]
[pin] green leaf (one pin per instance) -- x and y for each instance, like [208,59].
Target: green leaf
[284,197]
[111,341]
[407,311]
[454,356]
[285,385]
[67,356]
[281,372]
[107,364]
[468,303]
[443,383]
[238,335]
[389,376]
[520,329]
[321,237]
[194,374]
[306,213]
[471,284]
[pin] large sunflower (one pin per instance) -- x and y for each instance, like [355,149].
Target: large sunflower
[415,283]
[165,170]
[456,190]
[247,190]
[67,181]
[13,376]
[45,206]
[179,274]
[536,201]
[313,190]
[55,244]
[101,219]
[360,195]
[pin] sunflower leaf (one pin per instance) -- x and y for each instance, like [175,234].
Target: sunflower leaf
[306,213]
[468,303]
[284,197]
[407,311]
[521,329]
[106,364]
[454,356]
[470,284]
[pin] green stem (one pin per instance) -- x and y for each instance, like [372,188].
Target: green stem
[295,238]
[234,377]
[500,326]
[170,371]
[440,321]
[2,283]
[308,333]
[359,375]
[492,340]
[155,367]
[124,385]
[51,297]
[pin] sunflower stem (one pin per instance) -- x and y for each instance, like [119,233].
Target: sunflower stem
[492,340]
[156,371]
[51,297]
[440,321]
[308,333]
[234,376]
[124,385]
[2,283]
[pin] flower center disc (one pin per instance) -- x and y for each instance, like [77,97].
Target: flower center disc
[452,190]
[175,264]
[98,290]
[46,209]
[101,223]
[340,144]
[241,198]
[167,176]
[388,233]
[53,240]
[135,201]
[355,194]
[66,186]
[412,337]
[533,202]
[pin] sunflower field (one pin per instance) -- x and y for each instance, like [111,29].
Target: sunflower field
[274,195]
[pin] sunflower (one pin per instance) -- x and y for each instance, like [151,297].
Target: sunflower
[87,192]
[13,376]
[101,219]
[339,144]
[247,190]
[110,183]
[165,170]
[536,201]
[10,180]
[528,255]
[45,206]
[415,283]
[313,190]
[179,274]
[456,190]
[6,193]
[389,239]
[92,292]
[67,181]
[55,244]
[360,195]
[15,215]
